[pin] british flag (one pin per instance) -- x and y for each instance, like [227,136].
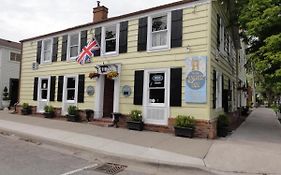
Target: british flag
[88,52]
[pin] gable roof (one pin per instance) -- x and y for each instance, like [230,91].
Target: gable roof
[114,18]
[11,44]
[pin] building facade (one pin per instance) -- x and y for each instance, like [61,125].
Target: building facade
[175,59]
[10,57]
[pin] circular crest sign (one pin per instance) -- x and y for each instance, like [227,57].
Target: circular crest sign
[195,80]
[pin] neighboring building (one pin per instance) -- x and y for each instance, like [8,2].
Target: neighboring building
[179,58]
[10,58]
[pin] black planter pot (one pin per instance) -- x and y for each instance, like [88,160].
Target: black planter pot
[184,132]
[135,125]
[73,118]
[49,114]
[25,111]
[222,131]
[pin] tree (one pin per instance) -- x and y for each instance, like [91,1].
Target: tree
[260,21]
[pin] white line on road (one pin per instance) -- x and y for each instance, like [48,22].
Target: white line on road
[80,169]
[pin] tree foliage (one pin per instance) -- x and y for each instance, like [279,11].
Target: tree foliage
[260,21]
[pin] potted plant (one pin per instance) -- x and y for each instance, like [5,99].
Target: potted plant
[73,114]
[49,111]
[184,126]
[94,75]
[222,125]
[112,75]
[26,109]
[6,99]
[135,120]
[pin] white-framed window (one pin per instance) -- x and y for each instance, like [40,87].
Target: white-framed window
[73,45]
[110,39]
[46,52]
[71,89]
[15,56]
[44,89]
[219,90]
[159,31]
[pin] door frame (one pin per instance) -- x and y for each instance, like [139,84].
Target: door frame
[99,95]
[146,103]
[39,92]
[64,100]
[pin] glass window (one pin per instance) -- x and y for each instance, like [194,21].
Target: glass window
[73,45]
[15,56]
[159,31]
[110,39]
[157,88]
[70,89]
[47,46]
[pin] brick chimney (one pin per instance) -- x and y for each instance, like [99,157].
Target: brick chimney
[99,13]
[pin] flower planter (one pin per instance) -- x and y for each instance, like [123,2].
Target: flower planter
[135,125]
[184,132]
[25,111]
[73,118]
[222,131]
[49,114]
[6,103]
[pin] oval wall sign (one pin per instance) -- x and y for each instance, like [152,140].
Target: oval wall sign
[90,90]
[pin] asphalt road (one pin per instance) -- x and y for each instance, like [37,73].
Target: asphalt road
[25,156]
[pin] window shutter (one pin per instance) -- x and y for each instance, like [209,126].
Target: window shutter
[35,88]
[218,31]
[55,49]
[138,87]
[142,36]
[39,47]
[60,88]
[176,33]
[81,87]
[52,88]
[98,39]
[83,39]
[214,88]
[123,38]
[176,87]
[64,48]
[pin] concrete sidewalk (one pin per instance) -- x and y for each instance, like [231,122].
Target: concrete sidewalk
[254,148]
[142,146]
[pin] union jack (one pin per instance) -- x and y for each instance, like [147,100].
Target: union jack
[88,52]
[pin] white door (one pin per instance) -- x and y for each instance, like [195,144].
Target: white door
[43,93]
[70,91]
[156,96]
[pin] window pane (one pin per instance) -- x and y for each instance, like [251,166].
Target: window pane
[47,56]
[44,94]
[74,39]
[12,56]
[44,84]
[70,94]
[156,80]
[47,45]
[18,57]
[159,39]
[73,51]
[110,45]
[156,95]
[159,23]
[70,82]
[110,32]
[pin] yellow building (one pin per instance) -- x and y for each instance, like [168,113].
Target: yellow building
[178,58]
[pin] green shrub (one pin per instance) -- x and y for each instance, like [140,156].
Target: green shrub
[275,107]
[185,121]
[223,121]
[49,109]
[136,115]
[25,105]
[72,110]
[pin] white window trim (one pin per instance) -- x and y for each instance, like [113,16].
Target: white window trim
[65,89]
[42,51]
[68,46]
[103,43]
[14,61]
[219,90]
[149,33]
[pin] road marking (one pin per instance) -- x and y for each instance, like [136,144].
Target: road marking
[80,169]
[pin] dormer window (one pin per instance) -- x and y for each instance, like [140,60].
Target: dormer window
[110,40]
[159,32]
[46,51]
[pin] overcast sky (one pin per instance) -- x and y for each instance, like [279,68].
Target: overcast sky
[21,19]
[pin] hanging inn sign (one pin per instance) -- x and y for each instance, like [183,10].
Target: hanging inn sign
[196,79]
